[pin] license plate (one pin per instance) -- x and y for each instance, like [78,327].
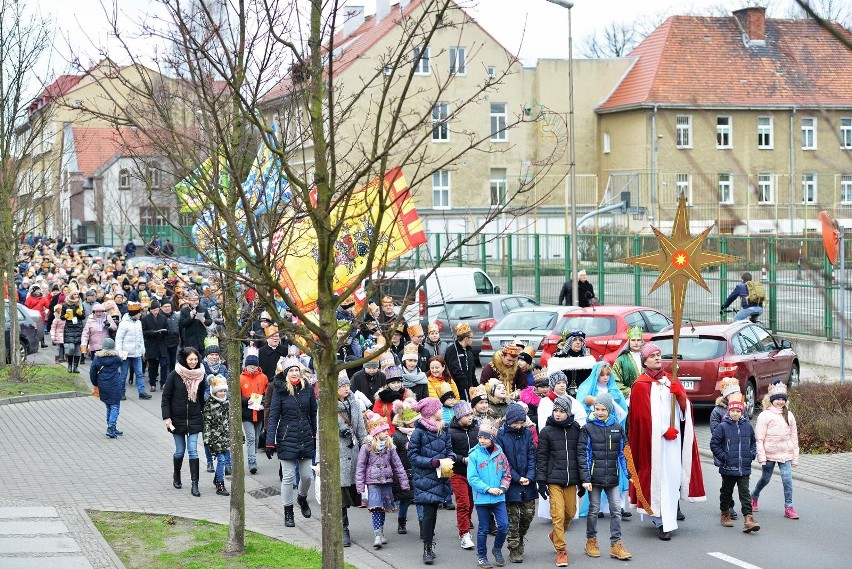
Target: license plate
[505,342]
[688,385]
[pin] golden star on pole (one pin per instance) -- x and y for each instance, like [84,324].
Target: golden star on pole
[679,260]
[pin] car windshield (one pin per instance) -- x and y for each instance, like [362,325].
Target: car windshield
[469,310]
[526,321]
[591,325]
[693,348]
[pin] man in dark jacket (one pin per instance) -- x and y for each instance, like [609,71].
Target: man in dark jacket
[194,320]
[369,379]
[460,360]
[585,291]
[517,444]
[740,291]
[155,330]
[271,351]
[173,337]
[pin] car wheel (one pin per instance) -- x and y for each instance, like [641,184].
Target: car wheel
[750,398]
[794,375]
[25,350]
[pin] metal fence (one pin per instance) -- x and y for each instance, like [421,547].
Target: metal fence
[800,284]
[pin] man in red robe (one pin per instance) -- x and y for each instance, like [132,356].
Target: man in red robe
[662,439]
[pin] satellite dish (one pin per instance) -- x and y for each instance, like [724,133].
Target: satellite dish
[830,236]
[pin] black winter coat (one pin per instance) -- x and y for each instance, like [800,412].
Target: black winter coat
[194,331]
[292,421]
[422,448]
[105,374]
[464,440]
[556,458]
[368,385]
[269,357]
[155,331]
[600,450]
[400,441]
[517,445]
[173,326]
[462,367]
[186,415]
[734,447]
[73,333]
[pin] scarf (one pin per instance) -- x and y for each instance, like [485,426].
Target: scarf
[430,425]
[657,375]
[389,396]
[410,379]
[214,368]
[191,378]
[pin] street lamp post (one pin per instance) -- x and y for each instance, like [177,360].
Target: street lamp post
[572,229]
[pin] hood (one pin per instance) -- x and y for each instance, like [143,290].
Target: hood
[106,353]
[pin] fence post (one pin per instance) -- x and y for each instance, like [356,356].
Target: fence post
[483,262]
[537,267]
[723,272]
[460,253]
[437,248]
[637,272]
[772,258]
[509,272]
[567,256]
[417,258]
[601,292]
[828,285]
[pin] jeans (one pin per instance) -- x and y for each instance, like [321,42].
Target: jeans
[161,365]
[209,456]
[137,372]
[403,509]
[289,477]
[112,414]
[252,431]
[464,502]
[746,312]
[222,460]
[181,445]
[726,494]
[786,469]
[613,496]
[483,513]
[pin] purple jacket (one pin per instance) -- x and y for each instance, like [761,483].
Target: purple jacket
[379,468]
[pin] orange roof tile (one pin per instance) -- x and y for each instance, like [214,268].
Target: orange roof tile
[704,62]
[97,146]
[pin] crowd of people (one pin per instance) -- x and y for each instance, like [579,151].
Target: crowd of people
[416,425]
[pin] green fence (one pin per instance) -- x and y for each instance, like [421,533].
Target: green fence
[117,236]
[800,284]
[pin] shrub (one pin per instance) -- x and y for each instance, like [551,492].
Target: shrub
[824,416]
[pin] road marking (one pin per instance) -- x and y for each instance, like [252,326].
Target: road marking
[732,560]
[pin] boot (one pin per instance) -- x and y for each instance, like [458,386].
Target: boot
[75,361]
[289,520]
[347,539]
[733,514]
[221,490]
[303,504]
[193,474]
[70,359]
[400,526]
[592,549]
[726,519]
[750,524]
[428,552]
[178,464]
[617,550]
[110,432]
[116,431]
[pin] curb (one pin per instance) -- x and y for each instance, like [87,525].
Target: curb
[43,397]
[105,546]
[706,454]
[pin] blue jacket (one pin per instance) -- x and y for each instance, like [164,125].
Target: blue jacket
[105,373]
[734,447]
[423,446]
[741,291]
[600,452]
[488,470]
[517,445]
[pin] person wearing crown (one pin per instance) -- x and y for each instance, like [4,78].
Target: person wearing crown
[504,366]
[415,331]
[628,364]
[460,360]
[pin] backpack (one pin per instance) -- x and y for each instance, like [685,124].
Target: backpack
[756,292]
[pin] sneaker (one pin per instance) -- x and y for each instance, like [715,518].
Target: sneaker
[750,524]
[252,468]
[210,466]
[754,507]
[467,541]
[144,395]
[377,542]
[789,512]
[562,558]
[617,551]
[449,506]
[591,548]
[483,563]
[498,557]
[733,514]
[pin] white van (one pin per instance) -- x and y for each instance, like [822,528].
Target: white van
[445,283]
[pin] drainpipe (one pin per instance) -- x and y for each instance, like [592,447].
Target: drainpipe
[792,166]
[653,163]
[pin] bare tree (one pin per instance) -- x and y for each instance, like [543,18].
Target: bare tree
[831,10]
[616,39]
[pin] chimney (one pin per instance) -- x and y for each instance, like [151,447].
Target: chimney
[382,9]
[752,22]
[353,18]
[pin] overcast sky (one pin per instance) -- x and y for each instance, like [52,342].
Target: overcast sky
[535,28]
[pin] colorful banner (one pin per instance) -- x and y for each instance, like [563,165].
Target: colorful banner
[296,253]
[266,187]
[193,190]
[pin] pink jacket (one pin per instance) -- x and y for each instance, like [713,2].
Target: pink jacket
[57,331]
[776,441]
[94,332]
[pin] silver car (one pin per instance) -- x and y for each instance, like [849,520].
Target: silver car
[528,326]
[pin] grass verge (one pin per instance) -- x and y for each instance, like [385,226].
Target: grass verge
[165,542]
[37,380]
[823,414]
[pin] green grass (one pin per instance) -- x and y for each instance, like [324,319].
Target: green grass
[165,542]
[37,380]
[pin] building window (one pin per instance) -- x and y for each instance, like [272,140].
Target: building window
[765,185]
[683,134]
[421,60]
[607,143]
[498,186]
[124,179]
[764,132]
[458,61]
[683,184]
[154,175]
[498,122]
[491,71]
[726,189]
[723,132]
[440,118]
[441,189]
[846,133]
[150,216]
[809,189]
[809,134]
[846,188]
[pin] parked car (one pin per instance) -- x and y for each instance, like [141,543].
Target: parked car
[482,312]
[530,326]
[93,249]
[606,328]
[709,353]
[35,316]
[29,343]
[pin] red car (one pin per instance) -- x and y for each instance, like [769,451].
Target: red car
[709,353]
[605,328]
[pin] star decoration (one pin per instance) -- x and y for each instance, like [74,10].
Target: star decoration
[679,259]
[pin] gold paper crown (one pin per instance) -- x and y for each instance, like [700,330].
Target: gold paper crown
[463,329]
[415,330]
[511,349]
[376,421]
[477,391]
[529,350]
[410,349]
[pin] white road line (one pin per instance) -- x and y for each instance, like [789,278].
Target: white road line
[732,560]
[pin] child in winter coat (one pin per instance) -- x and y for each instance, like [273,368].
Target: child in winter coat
[464,429]
[727,386]
[104,374]
[253,383]
[557,471]
[517,444]
[57,334]
[378,466]
[448,400]
[404,418]
[489,475]
[600,453]
[777,442]
[216,429]
[413,377]
[497,403]
[479,402]
[734,447]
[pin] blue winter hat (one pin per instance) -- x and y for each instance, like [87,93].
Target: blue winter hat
[252,360]
[515,413]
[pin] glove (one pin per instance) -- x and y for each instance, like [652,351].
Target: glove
[581,491]
[542,490]
[269,452]
[677,390]
[435,462]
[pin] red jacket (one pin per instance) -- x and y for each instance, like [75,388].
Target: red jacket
[40,303]
[252,383]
